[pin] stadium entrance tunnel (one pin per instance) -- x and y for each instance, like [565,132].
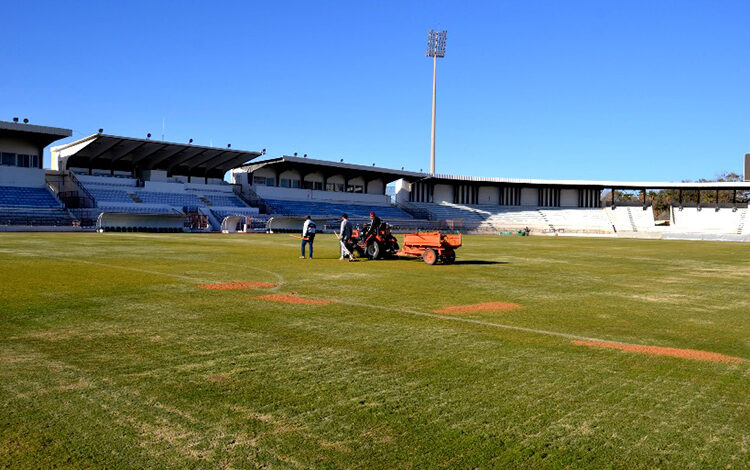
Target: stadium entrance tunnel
[154,223]
[233,224]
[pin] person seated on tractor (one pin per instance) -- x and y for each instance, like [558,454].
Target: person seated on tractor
[374,225]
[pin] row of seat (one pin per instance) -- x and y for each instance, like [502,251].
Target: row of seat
[493,217]
[38,216]
[320,208]
[102,193]
[12,196]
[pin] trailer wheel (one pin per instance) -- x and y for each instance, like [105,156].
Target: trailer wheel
[449,256]
[373,250]
[430,256]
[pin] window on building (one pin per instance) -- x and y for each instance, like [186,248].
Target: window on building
[270,181]
[285,182]
[259,180]
[318,186]
[355,188]
[35,161]
[330,187]
[9,159]
[23,160]
[296,184]
[307,185]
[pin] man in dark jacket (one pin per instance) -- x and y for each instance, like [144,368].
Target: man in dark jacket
[374,224]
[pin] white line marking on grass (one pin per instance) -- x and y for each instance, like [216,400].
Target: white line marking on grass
[282,280]
[139,270]
[492,324]
[475,322]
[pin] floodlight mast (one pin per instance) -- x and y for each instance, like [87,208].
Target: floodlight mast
[435,49]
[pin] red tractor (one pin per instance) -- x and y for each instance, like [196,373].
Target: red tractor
[375,244]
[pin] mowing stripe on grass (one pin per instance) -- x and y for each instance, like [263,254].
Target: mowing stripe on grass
[410,311]
[139,270]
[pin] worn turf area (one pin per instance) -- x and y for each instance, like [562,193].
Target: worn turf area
[112,356]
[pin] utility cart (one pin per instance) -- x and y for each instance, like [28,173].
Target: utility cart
[431,246]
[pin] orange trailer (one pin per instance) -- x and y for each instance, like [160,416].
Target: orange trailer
[431,246]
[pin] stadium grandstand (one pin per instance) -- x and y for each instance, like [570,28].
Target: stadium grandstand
[130,184]
[115,183]
[25,198]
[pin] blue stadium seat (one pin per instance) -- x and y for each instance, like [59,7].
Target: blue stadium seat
[327,209]
[11,196]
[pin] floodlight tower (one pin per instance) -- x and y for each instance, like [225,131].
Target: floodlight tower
[435,49]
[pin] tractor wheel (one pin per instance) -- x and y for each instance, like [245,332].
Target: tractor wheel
[430,256]
[449,257]
[374,250]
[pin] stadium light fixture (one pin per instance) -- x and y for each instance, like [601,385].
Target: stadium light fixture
[435,49]
[25,120]
[190,141]
[101,130]
[15,119]
[148,136]
[229,146]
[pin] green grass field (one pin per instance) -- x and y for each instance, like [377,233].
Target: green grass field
[112,357]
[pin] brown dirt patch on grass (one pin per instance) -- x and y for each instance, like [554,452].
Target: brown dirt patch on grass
[482,307]
[236,285]
[293,299]
[662,351]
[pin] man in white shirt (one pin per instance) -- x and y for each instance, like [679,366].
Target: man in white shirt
[345,232]
[308,236]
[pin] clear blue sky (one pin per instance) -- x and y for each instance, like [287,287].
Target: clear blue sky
[626,90]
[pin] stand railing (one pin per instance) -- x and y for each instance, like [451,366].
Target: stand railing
[76,200]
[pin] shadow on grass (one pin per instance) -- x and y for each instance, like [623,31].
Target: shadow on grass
[465,262]
[478,261]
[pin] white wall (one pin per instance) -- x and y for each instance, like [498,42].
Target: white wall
[402,191]
[529,196]
[489,195]
[336,179]
[265,172]
[17,176]
[290,174]
[357,181]
[443,193]
[314,177]
[58,153]
[568,198]
[375,186]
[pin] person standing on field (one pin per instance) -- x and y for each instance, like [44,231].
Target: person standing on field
[308,236]
[345,232]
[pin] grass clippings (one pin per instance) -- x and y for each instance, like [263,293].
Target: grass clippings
[696,354]
[294,299]
[236,285]
[481,307]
